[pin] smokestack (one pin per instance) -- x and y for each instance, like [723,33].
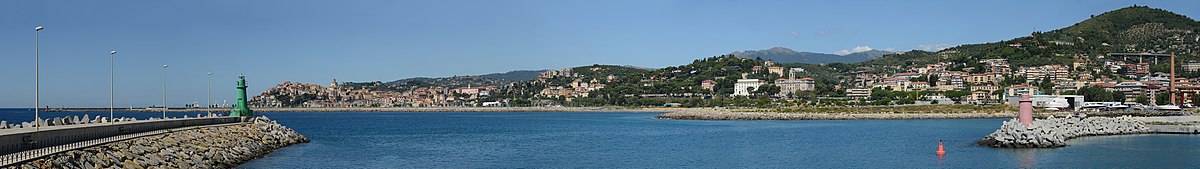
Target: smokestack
[1171,90]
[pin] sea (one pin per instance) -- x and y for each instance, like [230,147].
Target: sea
[638,140]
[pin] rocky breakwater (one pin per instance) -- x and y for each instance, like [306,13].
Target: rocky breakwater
[1054,132]
[723,114]
[223,146]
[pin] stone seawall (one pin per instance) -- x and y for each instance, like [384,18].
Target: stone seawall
[207,147]
[1054,132]
[722,114]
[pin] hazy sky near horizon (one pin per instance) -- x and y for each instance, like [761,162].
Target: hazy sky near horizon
[272,41]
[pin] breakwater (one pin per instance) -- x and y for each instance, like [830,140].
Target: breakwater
[723,114]
[216,146]
[18,139]
[1054,132]
[71,121]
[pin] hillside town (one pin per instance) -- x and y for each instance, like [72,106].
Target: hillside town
[291,94]
[1059,86]
[1134,58]
[1121,80]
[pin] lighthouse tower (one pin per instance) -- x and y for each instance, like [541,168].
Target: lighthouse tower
[242,109]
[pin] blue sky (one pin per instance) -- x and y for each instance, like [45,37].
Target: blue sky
[272,41]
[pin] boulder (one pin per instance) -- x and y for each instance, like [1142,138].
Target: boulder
[130,164]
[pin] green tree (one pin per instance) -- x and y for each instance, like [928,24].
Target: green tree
[1098,94]
[1046,85]
[1118,96]
[933,79]
[957,95]
[1162,99]
[767,89]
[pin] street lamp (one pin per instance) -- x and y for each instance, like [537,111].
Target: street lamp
[37,75]
[208,107]
[111,69]
[164,112]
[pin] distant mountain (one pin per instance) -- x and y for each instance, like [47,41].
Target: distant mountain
[515,76]
[785,55]
[870,54]
[454,81]
[494,79]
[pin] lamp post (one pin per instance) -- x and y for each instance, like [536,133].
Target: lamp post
[164,112]
[208,107]
[37,75]
[111,69]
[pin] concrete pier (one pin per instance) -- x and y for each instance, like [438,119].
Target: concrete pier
[1173,124]
[20,143]
[1175,129]
[209,146]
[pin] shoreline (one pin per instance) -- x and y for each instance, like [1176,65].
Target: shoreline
[726,114]
[678,113]
[718,114]
[397,109]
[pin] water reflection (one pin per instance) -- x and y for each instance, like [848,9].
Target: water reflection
[941,159]
[1028,158]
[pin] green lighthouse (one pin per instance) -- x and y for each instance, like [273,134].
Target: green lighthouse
[242,109]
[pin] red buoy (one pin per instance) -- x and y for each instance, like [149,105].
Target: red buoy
[941,150]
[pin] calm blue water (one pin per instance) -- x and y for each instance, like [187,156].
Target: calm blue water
[637,140]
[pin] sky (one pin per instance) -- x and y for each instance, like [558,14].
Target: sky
[273,41]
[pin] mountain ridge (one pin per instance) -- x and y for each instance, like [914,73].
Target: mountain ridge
[786,55]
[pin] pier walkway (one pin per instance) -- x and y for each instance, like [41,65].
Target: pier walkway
[1172,124]
[22,144]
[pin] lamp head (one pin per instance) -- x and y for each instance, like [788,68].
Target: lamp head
[38,28]
[164,66]
[113,52]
